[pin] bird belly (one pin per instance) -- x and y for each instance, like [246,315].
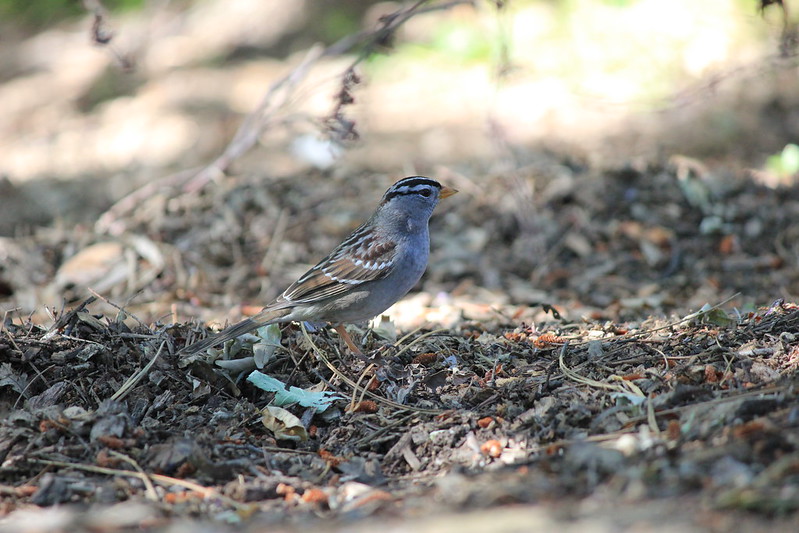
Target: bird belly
[367,303]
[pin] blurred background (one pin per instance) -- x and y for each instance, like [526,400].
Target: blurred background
[607,150]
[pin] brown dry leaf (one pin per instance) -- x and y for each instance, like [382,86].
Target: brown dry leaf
[100,265]
[124,266]
[283,424]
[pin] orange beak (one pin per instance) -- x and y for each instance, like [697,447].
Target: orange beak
[446,192]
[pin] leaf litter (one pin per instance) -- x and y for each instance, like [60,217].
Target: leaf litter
[482,394]
[704,407]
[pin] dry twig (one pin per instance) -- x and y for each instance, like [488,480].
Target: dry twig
[276,99]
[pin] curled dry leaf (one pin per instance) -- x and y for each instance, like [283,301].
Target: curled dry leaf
[425,359]
[547,339]
[283,424]
[365,406]
[122,267]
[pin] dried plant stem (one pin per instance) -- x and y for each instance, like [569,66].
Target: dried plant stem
[150,492]
[206,492]
[276,98]
[135,378]
[322,357]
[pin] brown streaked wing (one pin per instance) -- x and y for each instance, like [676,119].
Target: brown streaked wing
[340,271]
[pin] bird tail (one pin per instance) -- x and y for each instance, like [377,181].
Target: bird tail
[265,317]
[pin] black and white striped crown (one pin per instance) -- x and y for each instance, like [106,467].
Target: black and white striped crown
[413,185]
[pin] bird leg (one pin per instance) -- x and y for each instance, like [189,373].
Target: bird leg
[342,331]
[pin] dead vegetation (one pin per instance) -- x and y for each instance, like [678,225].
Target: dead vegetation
[473,417]
[513,401]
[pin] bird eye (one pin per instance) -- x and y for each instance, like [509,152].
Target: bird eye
[426,193]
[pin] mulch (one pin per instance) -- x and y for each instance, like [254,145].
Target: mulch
[628,389]
[474,419]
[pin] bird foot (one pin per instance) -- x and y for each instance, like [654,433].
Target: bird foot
[342,331]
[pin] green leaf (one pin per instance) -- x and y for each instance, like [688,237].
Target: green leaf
[264,349]
[714,316]
[318,400]
[790,159]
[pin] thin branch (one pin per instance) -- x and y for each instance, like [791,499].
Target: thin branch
[102,34]
[322,357]
[276,98]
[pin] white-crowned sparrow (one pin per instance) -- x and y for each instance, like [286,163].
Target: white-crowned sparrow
[364,275]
